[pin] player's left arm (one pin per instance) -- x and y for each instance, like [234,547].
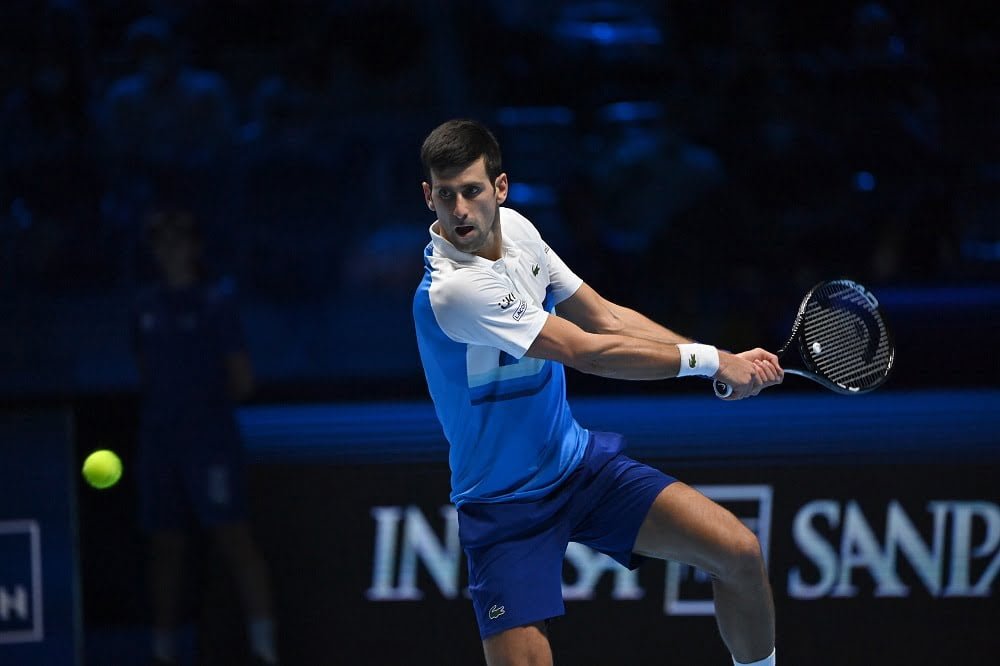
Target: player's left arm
[596,314]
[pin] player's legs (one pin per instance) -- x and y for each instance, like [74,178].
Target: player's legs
[685,526]
[520,646]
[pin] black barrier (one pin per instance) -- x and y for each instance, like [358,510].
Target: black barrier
[880,518]
[888,564]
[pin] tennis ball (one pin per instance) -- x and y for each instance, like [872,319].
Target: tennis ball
[102,468]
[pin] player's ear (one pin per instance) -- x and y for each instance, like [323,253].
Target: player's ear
[427,194]
[501,187]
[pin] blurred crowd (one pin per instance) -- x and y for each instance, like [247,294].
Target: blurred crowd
[669,150]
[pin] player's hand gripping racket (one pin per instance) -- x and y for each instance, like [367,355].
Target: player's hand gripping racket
[842,338]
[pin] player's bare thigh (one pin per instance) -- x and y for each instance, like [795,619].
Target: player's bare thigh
[685,526]
[519,646]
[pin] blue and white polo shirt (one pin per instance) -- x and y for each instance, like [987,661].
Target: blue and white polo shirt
[511,432]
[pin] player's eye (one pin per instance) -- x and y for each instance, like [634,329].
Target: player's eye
[472,191]
[445,194]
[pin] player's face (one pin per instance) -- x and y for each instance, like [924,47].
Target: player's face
[467,204]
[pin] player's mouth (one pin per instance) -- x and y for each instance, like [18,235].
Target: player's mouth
[464,230]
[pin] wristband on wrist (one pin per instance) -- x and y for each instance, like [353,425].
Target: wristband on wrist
[698,360]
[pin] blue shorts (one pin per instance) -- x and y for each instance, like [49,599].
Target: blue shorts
[190,479]
[515,549]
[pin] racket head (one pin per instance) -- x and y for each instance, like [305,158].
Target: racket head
[842,337]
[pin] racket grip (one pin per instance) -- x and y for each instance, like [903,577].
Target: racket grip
[722,389]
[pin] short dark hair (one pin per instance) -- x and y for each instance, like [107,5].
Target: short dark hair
[458,143]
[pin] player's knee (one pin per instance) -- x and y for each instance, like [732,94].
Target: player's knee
[744,560]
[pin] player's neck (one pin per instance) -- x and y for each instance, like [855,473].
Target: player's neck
[494,249]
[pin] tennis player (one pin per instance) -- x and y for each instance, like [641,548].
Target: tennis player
[526,477]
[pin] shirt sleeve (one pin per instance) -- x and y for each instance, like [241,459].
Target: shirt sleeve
[478,308]
[562,280]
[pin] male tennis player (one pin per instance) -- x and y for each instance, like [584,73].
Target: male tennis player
[526,477]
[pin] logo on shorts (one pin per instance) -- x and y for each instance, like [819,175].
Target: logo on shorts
[692,362]
[507,301]
[535,269]
[496,612]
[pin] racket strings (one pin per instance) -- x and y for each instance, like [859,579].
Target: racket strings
[841,329]
[843,365]
[847,348]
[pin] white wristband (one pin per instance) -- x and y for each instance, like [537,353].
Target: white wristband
[700,360]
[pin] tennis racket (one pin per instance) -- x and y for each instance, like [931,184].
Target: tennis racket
[842,338]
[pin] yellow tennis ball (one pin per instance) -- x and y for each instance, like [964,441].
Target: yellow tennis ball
[102,468]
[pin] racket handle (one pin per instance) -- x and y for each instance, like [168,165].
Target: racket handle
[722,389]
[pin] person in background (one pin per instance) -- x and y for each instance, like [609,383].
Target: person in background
[194,367]
[163,119]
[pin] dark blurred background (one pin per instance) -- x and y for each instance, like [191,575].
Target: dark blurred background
[705,163]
